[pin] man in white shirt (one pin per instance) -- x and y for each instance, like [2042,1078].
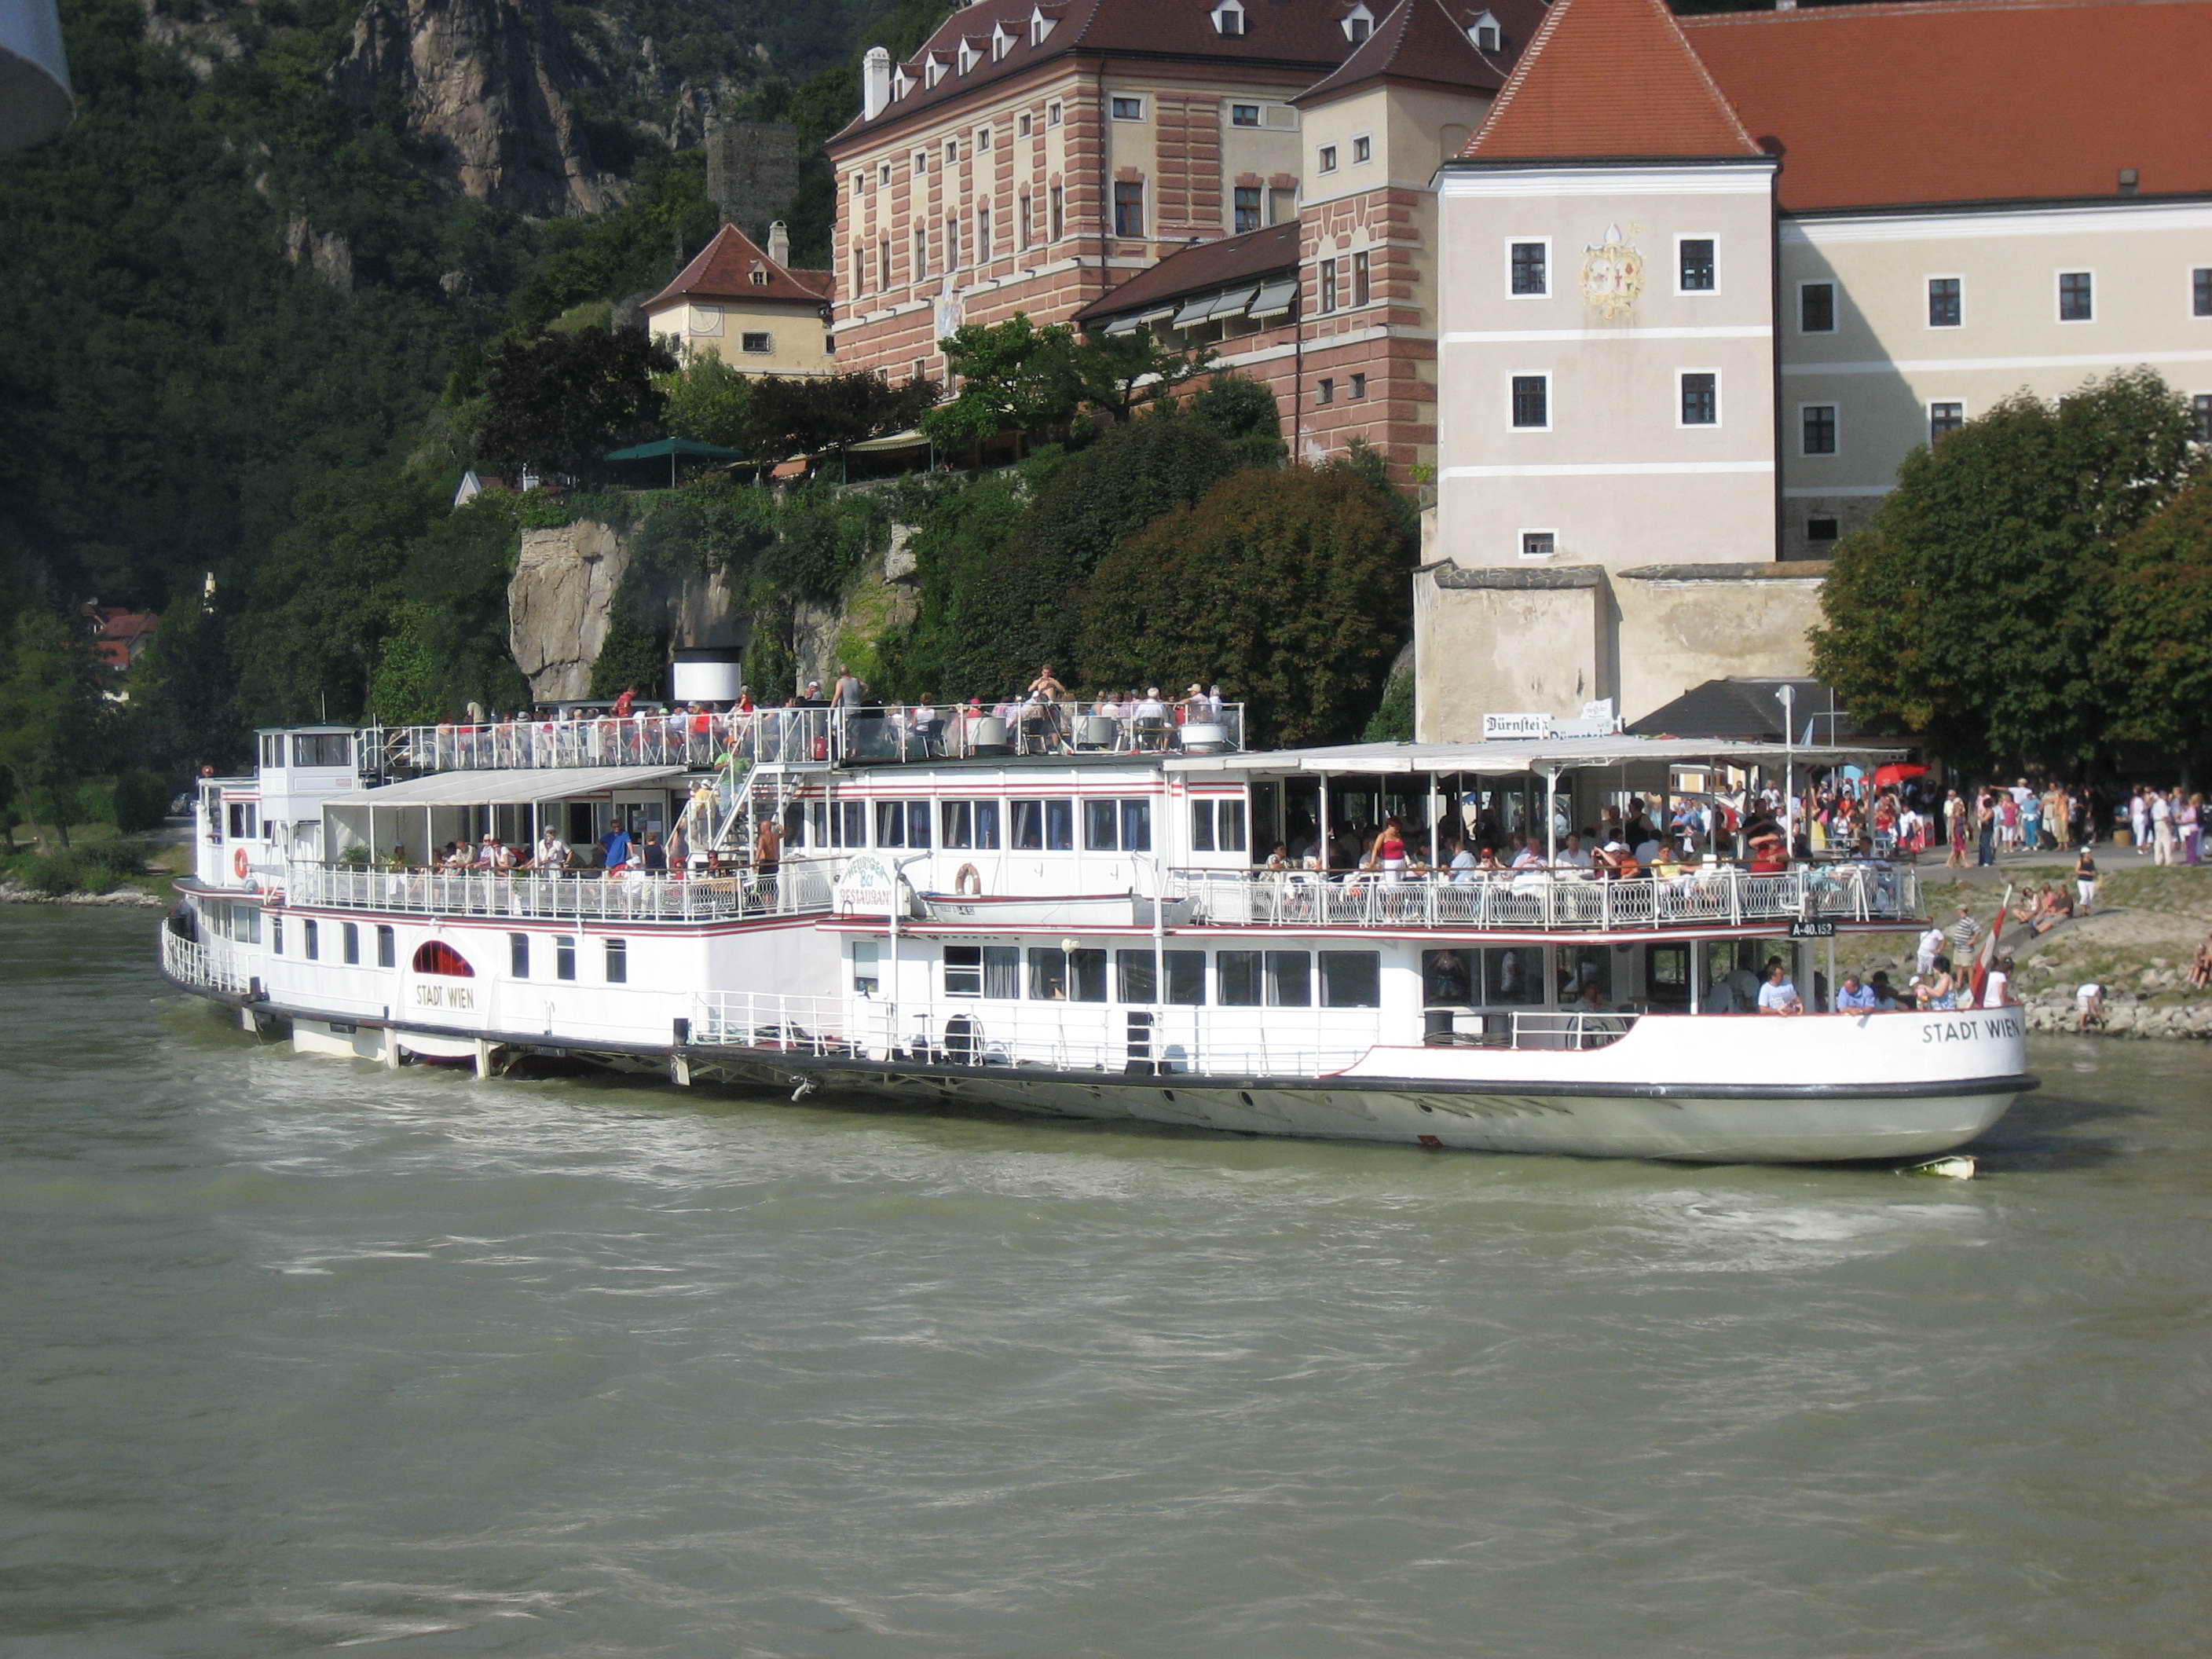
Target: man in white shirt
[1931,946]
[1571,856]
[1779,995]
[2161,827]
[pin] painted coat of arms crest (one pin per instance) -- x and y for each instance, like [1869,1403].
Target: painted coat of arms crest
[1612,274]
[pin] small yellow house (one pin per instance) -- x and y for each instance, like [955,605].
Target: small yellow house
[747,307]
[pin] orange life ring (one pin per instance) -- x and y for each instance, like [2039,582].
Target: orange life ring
[241,863]
[968,881]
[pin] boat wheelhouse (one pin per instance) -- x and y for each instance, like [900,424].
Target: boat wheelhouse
[1066,911]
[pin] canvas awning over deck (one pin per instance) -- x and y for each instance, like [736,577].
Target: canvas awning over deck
[511,788]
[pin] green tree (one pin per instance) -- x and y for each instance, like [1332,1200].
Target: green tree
[53,719]
[1972,610]
[790,416]
[1241,410]
[1392,719]
[1115,372]
[1288,589]
[562,401]
[184,703]
[707,402]
[2160,619]
[1014,377]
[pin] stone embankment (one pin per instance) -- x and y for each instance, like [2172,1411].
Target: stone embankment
[16,893]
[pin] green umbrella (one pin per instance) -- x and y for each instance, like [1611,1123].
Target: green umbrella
[671,448]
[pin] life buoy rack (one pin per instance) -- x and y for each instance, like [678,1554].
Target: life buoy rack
[968,882]
[241,864]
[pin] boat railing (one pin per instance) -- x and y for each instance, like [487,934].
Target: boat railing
[814,735]
[1542,900]
[801,886]
[213,964]
[1059,1036]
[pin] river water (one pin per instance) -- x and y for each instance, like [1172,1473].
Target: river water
[304,1355]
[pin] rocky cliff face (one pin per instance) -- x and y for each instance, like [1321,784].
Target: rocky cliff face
[485,83]
[558,602]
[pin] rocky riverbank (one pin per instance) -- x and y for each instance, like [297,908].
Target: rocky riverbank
[12,892]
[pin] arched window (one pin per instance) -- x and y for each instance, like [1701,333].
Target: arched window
[439,957]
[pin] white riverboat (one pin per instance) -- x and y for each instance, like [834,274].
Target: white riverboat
[1086,933]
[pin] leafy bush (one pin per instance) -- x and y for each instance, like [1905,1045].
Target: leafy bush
[57,873]
[142,800]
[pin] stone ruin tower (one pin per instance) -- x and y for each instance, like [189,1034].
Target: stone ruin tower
[752,173]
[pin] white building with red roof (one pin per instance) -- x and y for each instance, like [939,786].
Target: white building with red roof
[1705,284]
[749,307]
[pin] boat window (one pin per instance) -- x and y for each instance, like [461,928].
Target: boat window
[1136,981]
[891,824]
[867,978]
[1350,979]
[517,955]
[617,962]
[1290,979]
[1028,825]
[1057,975]
[1584,966]
[1238,979]
[987,826]
[564,958]
[1117,826]
[1512,975]
[1667,976]
[1099,830]
[244,825]
[1136,826]
[1201,826]
[1043,826]
[1002,972]
[436,957]
[848,824]
[322,749]
[917,824]
[308,933]
[1060,826]
[963,970]
[277,936]
[387,946]
[1217,826]
[1445,982]
[957,825]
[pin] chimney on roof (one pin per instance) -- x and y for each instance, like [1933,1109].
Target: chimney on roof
[2128,178]
[779,243]
[875,82]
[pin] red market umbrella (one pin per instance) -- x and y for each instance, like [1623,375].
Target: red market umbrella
[1896,773]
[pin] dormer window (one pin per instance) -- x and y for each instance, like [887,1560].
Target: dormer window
[967,57]
[902,82]
[1040,26]
[758,275]
[1358,24]
[1001,43]
[1485,34]
[933,71]
[1229,19]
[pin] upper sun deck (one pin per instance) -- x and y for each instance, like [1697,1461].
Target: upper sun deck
[811,736]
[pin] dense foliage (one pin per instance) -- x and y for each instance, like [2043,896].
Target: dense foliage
[562,401]
[1978,607]
[1016,377]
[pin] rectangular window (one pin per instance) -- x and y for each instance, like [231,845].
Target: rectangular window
[244,820]
[1101,831]
[1350,979]
[1002,972]
[2200,405]
[1228,826]
[1028,825]
[867,974]
[891,824]
[1057,975]
[1043,826]
[1243,115]
[1052,113]
[1530,264]
[1325,392]
[1532,402]
[1282,205]
[1136,826]
[322,749]
[920,258]
[987,826]
[1328,285]
[1539,543]
[1816,308]
[387,946]
[1022,124]
[956,821]
[1817,429]
[1237,979]
[920,162]
[1025,221]
[1359,386]
[952,242]
[1248,208]
[1328,158]
[1290,979]
[982,138]
[1137,981]
[1129,109]
[1944,418]
[1945,306]
[1821,530]
[1201,826]
[1698,271]
[277,936]
[564,958]
[760,345]
[884,174]
[963,970]
[2200,291]
[1060,826]
[2077,296]
[1363,149]
[982,233]
[952,150]
[349,944]
[1128,208]
[1701,398]
[1359,289]
[308,937]
[848,824]
[1059,214]
[883,262]
[517,955]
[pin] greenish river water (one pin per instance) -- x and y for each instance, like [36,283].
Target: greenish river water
[303,1355]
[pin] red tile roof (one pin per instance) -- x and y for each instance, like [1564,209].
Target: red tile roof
[1430,41]
[724,271]
[1972,101]
[1193,270]
[1607,78]
[1302,36]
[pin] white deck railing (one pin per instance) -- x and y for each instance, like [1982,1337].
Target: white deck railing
[801,886]
[887,733]
[212,964]
[1540,901]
